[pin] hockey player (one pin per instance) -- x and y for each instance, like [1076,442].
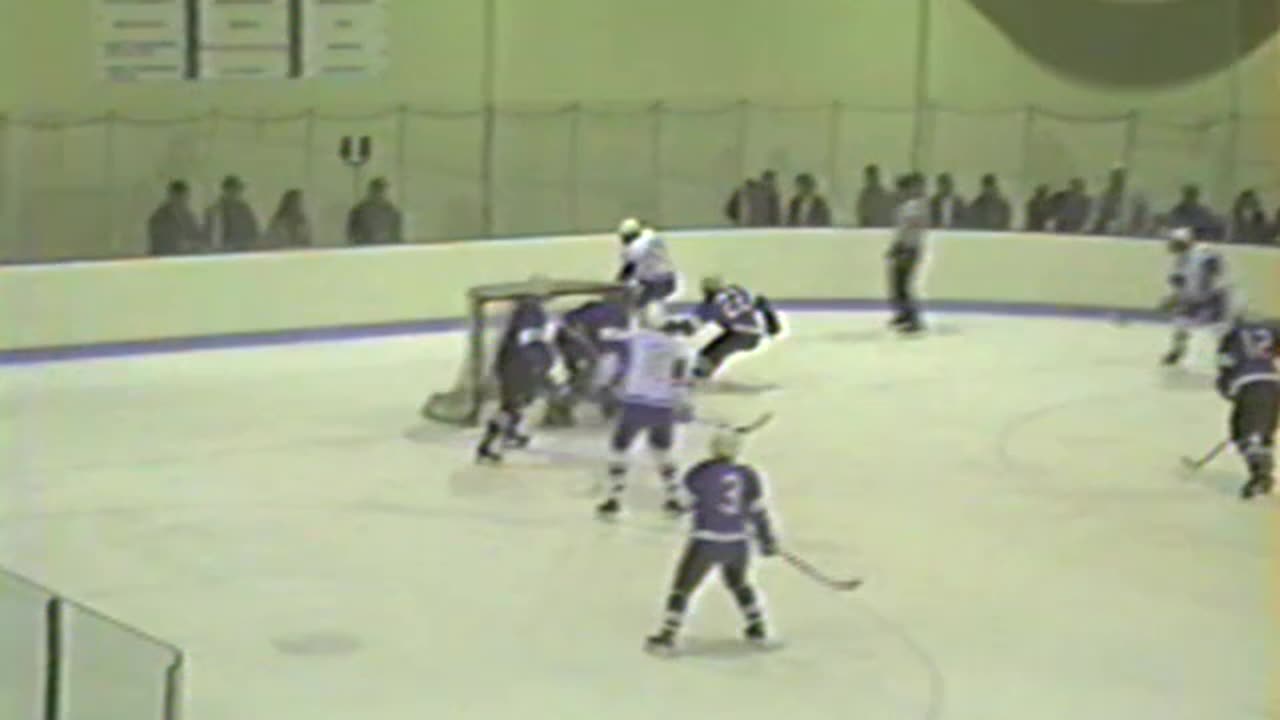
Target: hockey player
[906,252]
[743,318]
[654,392]
[1200,294]
[522,367]
[646,263]
[1247,378]
[592,341]
[728,499]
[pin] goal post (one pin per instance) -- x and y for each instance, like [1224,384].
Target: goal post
[462,404]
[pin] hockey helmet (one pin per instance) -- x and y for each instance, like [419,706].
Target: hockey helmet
[712,284]
[1180,238]
[630,229]
[726,444]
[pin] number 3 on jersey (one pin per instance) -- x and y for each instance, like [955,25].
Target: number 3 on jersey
[731,494]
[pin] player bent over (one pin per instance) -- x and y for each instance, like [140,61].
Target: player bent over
[743,319]
[1247,378]
[1200,293]
[728,497]
[654,392]
[646,263]
[522,366]
[592,342]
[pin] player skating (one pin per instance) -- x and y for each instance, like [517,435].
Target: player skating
[654,389]
[1247,378]
[744,320]
[728,502]
[906,252]
[646,263]
[1200,294]
[592,341]
[522,366]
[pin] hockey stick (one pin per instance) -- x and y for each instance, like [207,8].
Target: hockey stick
[1194,464]
[750,427]
[814,573]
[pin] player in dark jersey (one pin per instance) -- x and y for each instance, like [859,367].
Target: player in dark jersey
[522,367]
[727,502]
[592,343]
[1248,379]
[744,319]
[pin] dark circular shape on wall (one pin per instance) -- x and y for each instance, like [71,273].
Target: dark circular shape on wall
[1135,43]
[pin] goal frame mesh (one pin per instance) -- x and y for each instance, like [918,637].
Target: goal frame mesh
[462,404]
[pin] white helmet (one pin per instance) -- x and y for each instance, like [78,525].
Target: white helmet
[1181,234]
[630,228]
[726,444]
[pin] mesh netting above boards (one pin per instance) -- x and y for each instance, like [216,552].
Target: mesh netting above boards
[474,385]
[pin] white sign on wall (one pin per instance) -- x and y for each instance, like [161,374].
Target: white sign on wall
[245,39]
[345,38]
[140,40]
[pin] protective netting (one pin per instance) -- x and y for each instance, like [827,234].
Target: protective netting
[488,310]
[84,187]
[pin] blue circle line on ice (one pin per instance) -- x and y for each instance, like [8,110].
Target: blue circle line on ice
[95,351]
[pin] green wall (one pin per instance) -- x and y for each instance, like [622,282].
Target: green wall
[983,61]
[621,50]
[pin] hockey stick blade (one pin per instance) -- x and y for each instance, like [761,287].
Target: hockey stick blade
[817,575]
[755,425]
[1197,463]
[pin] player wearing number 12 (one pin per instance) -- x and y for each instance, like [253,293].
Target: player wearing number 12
[1247,377]
[728,502]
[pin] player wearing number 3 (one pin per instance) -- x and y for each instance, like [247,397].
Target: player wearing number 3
[728,501]
[1247,378]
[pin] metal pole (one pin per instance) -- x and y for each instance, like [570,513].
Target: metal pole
[655,159]
[573,184]
[53,659]
[924,32]
[1230,177]
[488,93]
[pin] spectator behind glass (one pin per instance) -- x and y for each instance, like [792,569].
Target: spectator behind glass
[1191,213]
[990,210]
[374,220]
[1040,210]
[1248,222]
[1120,210]
[946,209]
[173,229]
[755,203]
[875,203]
[289,227]
[808,208]
[770,205]
[1073,208]
[230,224]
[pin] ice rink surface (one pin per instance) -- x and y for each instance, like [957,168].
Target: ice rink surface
[1009,488]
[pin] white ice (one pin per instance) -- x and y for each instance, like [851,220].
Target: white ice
[1009,488]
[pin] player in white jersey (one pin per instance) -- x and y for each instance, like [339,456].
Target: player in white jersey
[646,263]
[1200,294]
[654,393]
[906,252]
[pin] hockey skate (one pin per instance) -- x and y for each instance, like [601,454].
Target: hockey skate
[609,509]
[662,643]
[1260,485]
[673,508]
[486,455]
[1171,358]
[515,441]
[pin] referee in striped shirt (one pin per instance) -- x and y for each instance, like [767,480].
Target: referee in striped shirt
[911,224]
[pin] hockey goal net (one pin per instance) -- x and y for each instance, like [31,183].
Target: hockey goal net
[487,310]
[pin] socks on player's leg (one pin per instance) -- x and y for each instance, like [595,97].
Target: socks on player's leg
[665,639]
[1178,346]
[667,471]
[1258,456]
[492,431]
[612,505]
